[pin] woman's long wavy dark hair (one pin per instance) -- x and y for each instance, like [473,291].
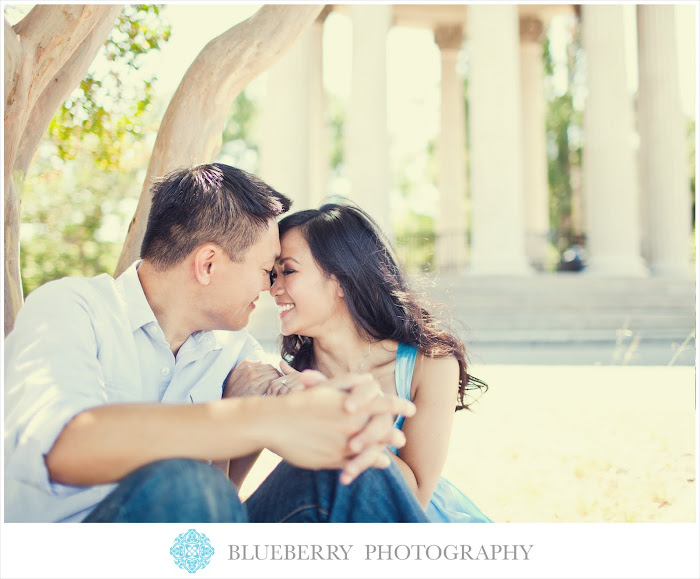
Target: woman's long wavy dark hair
[348,244]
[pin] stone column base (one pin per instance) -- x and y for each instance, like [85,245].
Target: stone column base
[624,266]
[506,266]
[673,270]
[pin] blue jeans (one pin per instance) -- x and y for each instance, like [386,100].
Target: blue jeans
[184,490]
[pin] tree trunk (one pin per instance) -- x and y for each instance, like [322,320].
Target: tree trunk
[190,132]
[46,56]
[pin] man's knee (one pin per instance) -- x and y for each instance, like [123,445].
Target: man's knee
[181,475]
[176,471]
[178,490]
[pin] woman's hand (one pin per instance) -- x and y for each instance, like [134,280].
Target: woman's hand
[249,378]
[293,381]
[345,426]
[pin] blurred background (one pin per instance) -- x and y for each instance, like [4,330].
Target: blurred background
[534,164]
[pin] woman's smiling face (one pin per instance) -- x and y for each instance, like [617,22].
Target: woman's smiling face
[307,299]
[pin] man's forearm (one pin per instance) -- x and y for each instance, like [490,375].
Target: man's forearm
[310,429]
[105,443]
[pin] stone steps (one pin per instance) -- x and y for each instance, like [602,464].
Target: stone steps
[554,301]
[636,319]
[549,313]
[566,307]
[573,336]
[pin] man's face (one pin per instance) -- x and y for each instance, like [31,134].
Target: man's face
[236,286]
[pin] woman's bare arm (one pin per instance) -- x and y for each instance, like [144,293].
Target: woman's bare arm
[435,383]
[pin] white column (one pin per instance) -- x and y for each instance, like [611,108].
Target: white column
[535,184]
[664,170]
[609,170]
[451,226]
[367,144]
[319,138]
[284,147]
[495,131]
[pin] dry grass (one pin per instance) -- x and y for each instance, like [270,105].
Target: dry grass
[574,444]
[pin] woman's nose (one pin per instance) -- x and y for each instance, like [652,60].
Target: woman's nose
[276,287]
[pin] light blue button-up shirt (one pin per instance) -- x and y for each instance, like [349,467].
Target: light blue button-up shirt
[80,343]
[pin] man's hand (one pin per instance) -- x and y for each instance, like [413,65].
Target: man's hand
[293,381]
[249,378]
[369,445]
[346,426]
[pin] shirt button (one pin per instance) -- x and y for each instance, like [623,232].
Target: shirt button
[165,371]
[152,329]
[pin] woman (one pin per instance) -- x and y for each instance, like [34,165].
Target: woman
[345,306]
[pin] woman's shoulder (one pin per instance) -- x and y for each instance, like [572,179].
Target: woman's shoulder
[426,364]
[436,371]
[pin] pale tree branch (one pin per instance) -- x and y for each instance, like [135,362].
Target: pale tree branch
[13,64]
[12,281]
[53,32]
[190,132]
[58,89]
[13,57]
[16,76]
[36,50]
[48,35]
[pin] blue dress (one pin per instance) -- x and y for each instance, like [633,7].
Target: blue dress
[448,504]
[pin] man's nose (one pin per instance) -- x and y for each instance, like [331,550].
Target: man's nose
[267,283]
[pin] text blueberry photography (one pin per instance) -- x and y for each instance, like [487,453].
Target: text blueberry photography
[192,551]
[415,552]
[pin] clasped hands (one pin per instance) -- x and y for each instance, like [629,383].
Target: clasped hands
[344,422]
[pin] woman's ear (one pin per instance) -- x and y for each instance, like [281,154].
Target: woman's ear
[338,289]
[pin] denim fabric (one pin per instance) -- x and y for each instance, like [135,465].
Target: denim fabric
[177,490]
[184,490]
[294,495]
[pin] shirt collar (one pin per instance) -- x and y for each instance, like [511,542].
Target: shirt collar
[208,339]
[140,312]
[138,309]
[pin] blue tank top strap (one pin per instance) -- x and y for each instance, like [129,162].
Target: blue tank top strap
[403,372]
[403,375]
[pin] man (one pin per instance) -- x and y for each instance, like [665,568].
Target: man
[113,388]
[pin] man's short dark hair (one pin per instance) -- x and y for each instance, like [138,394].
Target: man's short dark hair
[212,203]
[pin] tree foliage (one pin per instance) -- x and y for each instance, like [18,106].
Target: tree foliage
[83,185]
[336,118]
[113,100]
[415,242]
[564,149]
[240,140]
[74,218]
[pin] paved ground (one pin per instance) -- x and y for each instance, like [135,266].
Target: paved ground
[574,444]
